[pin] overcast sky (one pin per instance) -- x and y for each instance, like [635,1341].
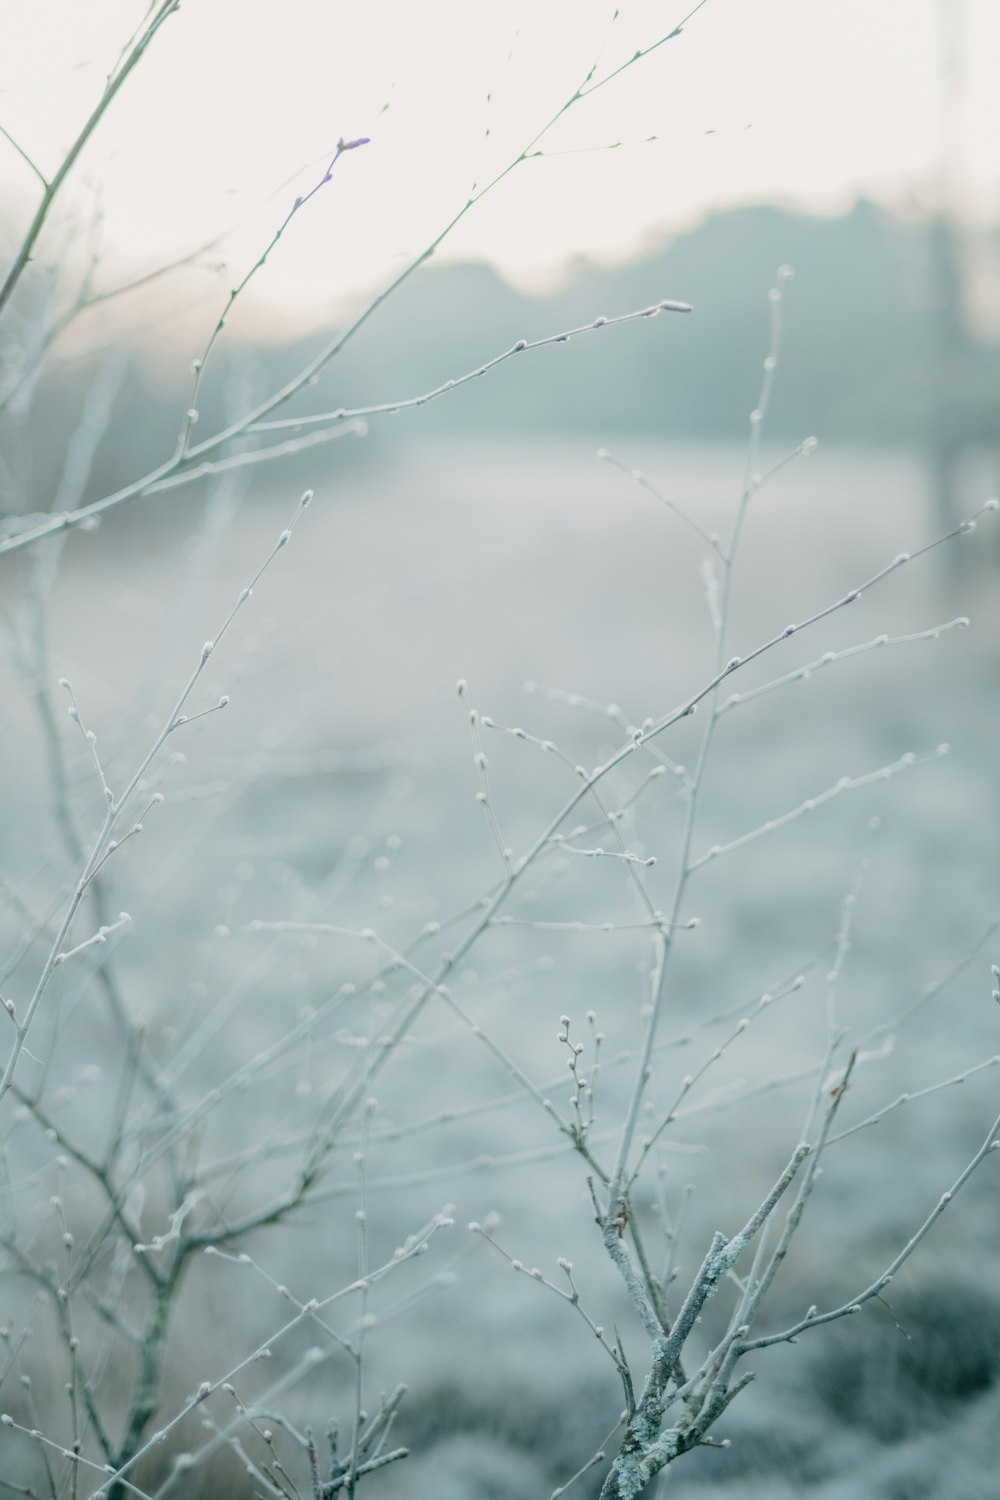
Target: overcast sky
[237,105]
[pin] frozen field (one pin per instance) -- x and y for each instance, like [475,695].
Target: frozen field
[338,787]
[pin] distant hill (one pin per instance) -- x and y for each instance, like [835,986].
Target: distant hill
[860,357]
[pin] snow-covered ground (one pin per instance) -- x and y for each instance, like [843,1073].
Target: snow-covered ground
[339,787]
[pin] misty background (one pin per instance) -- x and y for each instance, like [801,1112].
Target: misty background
[894,340]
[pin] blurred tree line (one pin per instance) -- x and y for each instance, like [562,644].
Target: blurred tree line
[878,350]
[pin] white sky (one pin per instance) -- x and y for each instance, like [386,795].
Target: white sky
[238,102]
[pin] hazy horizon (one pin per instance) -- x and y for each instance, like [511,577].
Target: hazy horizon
[231,120]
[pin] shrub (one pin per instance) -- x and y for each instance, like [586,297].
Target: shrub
[232,1110]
